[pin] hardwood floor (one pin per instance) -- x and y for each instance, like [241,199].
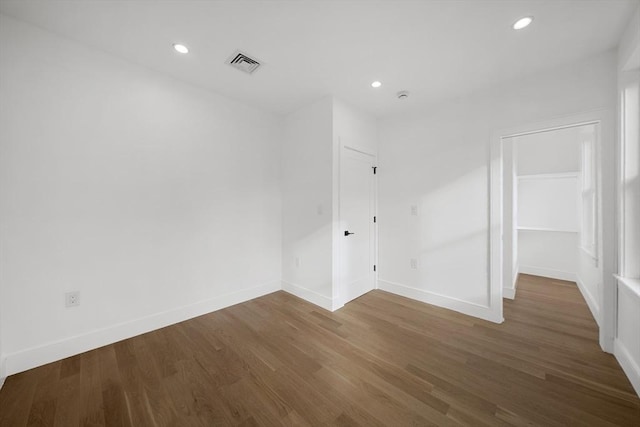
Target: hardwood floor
[381,360]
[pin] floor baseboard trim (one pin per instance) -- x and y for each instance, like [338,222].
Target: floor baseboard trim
[54,351]
[591,301]
[509,293]
[2,381]
[464,307]
[310,296]
[3,368]
[547,272]
[629,366]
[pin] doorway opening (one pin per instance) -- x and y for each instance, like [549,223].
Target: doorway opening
[549,216]
[550,209]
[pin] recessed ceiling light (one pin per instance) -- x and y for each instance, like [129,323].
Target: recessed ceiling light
[376,84]
[180,48]
[523,22]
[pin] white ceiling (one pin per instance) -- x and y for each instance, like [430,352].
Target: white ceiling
[434,49]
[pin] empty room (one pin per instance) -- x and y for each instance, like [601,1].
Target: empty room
[319,212]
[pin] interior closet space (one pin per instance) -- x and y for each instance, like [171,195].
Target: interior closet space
[550,197]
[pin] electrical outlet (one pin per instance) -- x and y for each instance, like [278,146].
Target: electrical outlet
[297,262]
[414,264]
[414,210]
[72,299]
[320,210]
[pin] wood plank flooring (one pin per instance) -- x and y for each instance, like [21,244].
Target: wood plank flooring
[381,360]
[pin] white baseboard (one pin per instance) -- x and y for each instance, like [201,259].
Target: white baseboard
[591,301]
[629,366]
[464,307]
[3,369]
[547,272]
[509,293]
[57,350]
[310,296]
[2,382]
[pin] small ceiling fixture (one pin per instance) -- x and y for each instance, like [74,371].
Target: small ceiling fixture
[403,94]
[522,22]
[376,84]
[180,48]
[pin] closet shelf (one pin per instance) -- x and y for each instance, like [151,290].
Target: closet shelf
[557,230]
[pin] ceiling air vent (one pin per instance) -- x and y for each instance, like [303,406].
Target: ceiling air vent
[243,62]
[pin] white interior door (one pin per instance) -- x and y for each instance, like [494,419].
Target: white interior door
[357,210]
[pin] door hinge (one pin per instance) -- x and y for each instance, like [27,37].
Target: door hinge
[374,268]
[375,168]
[374,219]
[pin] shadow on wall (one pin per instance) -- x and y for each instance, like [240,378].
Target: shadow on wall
[448,235]
[453,226]
[308,262]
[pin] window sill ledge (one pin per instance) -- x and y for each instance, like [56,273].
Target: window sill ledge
[632,285]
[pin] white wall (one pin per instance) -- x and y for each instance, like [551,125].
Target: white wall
[590,272]
[438,159]
[307,185]
[548,164]
[548,202]
[3,369]
[158,201]
[355,129]
[509,232]
[548,254]
[627,336]
[314,136]
[556,151]
[629,47]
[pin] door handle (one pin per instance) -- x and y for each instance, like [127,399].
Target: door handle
[346,233]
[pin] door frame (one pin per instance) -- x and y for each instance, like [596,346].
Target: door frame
[338,229]
[607,248]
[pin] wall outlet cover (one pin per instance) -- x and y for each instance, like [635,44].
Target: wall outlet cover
[72,299]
